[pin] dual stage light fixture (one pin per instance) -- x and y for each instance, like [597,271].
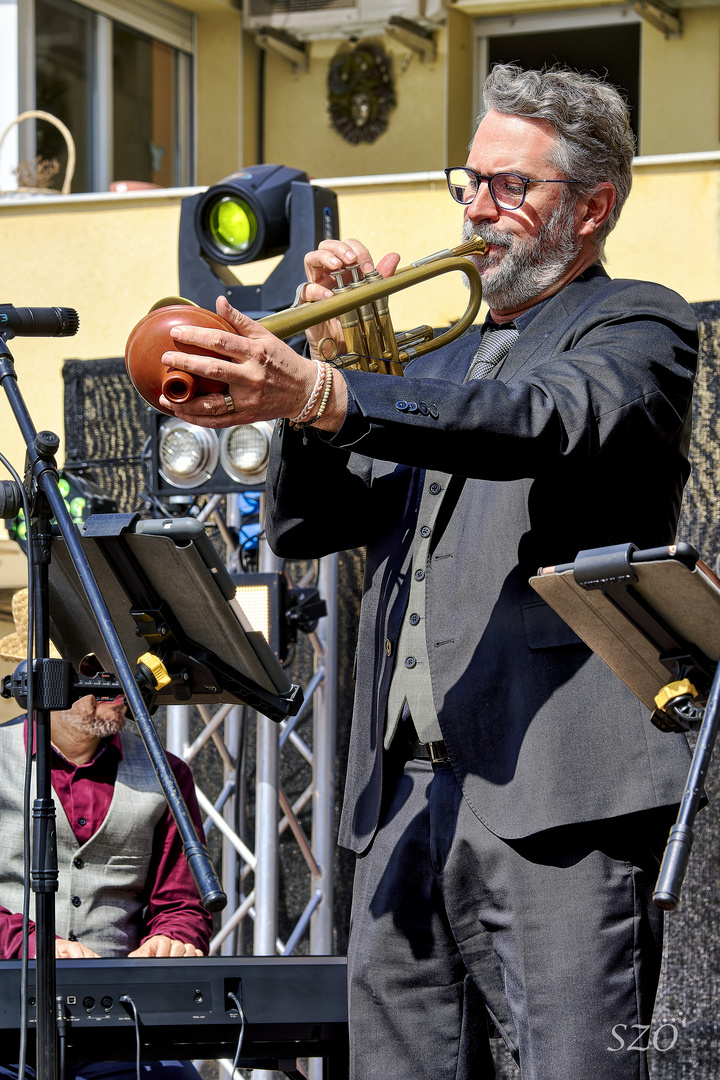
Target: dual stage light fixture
[200,460]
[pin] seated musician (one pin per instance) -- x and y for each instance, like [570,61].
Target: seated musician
[124,885]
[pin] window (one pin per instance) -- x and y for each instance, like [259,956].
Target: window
[119,76]
[604,41]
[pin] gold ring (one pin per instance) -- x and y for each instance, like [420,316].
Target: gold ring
[229,403]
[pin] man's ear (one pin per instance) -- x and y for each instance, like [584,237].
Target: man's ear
[596,208]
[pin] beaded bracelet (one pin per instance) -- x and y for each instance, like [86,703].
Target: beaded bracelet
[305,413]
[326,393]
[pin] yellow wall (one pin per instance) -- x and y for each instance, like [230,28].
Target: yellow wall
[298,130]
[681,85]
[219,119]
[113,257]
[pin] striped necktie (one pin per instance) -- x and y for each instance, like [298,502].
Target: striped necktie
[494,347]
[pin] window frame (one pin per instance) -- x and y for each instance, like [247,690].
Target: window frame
[156,19]
[509,25]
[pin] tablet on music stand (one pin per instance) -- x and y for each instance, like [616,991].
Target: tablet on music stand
[654,617]
[645,613]
[169,595]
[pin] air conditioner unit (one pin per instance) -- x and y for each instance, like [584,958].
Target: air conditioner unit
[315,19]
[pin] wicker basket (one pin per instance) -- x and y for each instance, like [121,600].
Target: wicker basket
[38,114]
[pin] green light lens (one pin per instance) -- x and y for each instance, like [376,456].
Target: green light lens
[63,487]
[232,224]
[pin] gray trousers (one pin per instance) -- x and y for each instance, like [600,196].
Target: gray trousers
[555,935]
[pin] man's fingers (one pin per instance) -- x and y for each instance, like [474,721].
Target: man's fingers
[388,264]
[244,325]
[73,950]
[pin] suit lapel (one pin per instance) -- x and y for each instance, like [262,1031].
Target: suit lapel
[556,315]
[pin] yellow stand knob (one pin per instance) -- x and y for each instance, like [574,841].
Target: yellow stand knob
[683,688]
[156,668]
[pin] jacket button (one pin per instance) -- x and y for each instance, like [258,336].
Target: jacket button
[401,405]
[412,406]
[433,410]
[76,901]
[410,661]
[422,408]
[434,489]
[388,647]
[79,863]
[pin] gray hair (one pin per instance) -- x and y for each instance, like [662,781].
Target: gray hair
[590,118]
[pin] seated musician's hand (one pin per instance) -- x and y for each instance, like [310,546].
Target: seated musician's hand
[331,257]
[266,379]
[73,950]
[161,945]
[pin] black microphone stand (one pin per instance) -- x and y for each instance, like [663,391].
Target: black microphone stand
[46,501]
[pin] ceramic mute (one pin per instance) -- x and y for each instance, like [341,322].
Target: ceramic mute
[151,338]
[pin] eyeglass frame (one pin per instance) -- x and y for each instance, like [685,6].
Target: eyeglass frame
[525,180]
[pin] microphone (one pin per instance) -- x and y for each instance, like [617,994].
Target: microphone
[38,321]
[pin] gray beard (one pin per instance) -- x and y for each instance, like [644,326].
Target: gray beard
[529,265]
[104,726]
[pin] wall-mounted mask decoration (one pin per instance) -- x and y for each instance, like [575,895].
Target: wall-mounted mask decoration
[360,92]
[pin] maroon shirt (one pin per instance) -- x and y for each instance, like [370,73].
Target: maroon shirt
[84,793]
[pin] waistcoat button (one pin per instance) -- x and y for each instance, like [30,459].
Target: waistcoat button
[76,901]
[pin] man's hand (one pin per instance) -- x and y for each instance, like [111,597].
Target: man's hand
[266,378]
[73,950]
[331,257]
[160,945]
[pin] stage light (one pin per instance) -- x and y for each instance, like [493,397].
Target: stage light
[232,227]
[277,611]
[198,460]
[244,450]
[258,213]
[187,455]
[81,496]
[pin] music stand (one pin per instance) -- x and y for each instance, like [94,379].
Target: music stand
[168,594]
[180,664]
[653,616]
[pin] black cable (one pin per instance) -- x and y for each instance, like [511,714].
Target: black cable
[241,1034]
[127,1000]
[22,1054]
[62,1033]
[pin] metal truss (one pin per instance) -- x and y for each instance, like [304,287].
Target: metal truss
[250,870]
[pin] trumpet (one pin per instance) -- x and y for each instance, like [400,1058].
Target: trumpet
[371,343]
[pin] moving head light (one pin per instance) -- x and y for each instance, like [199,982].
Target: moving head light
[257,213]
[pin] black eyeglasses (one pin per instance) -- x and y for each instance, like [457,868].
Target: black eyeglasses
[507,190]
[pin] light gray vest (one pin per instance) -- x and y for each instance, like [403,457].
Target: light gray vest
[103,886]
[411,680]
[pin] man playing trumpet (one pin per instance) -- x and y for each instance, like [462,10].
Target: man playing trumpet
[507,797]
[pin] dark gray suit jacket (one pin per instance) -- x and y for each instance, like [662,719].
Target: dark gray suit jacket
[581,441]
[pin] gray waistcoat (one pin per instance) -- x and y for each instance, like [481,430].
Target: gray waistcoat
[103,885]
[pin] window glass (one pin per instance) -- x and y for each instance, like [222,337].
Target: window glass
[143,108]
[64,74]
[612,52]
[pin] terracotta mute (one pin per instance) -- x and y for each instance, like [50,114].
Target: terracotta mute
[151,338]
